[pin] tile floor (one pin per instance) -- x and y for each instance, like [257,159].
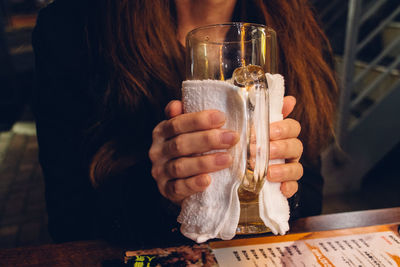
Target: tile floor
[22,207]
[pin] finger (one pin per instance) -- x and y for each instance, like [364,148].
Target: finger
[179,189]
[192,122]
[286,149]
[173,109]
[288,105]
[288,189]
[191,166]
[285,172]
[199,142]
[287,128]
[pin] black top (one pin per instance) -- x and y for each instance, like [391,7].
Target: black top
[129,208]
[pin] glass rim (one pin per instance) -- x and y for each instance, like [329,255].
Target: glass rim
[226,24]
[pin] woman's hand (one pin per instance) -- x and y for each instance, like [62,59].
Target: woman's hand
[180,174]
[177,167]
[285,145]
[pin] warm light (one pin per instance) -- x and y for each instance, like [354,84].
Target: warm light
[221,67]
[242,36]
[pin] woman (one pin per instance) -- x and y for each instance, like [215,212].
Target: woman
[117,166]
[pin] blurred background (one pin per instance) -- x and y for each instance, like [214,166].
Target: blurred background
[22,208]
[361,170]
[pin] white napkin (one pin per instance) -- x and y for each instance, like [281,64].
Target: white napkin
[273,205]
[215,212]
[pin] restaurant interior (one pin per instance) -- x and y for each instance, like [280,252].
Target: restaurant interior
[360,170]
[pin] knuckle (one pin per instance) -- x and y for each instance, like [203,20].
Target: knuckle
[211,138]
[207,137]
[176,145]
[157,131]
[176,168]
[189,186]
[153,154]
[202,162]
[194,187]
[155,172]
[175,126]
[177,189]
[201,120]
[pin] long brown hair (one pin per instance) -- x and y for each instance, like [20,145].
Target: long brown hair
[136,42]
[306,63]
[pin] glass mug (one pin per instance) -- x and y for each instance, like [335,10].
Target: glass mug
[240,53]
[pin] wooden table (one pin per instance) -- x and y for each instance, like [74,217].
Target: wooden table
[98,253]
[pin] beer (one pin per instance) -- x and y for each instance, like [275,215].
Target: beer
[251,79]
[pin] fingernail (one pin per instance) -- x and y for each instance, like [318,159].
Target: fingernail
[217,118]
[202,181]
[275,132]
[222,159]
[228,137]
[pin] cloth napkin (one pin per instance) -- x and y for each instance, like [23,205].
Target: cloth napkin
[273,205]
[215,212]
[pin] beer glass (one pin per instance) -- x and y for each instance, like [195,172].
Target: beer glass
[240,53]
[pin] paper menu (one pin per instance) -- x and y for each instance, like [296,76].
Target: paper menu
[368,246]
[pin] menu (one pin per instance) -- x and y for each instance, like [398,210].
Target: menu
[367,246]
[356,247]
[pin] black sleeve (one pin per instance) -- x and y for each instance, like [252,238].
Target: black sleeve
[61,107]
[308,199]
[135,214]
[128,208]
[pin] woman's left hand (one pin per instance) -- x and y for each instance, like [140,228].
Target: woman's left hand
[286,145]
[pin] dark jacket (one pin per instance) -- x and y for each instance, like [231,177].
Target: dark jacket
[129,207]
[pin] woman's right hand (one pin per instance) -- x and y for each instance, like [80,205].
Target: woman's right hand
[178,168]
